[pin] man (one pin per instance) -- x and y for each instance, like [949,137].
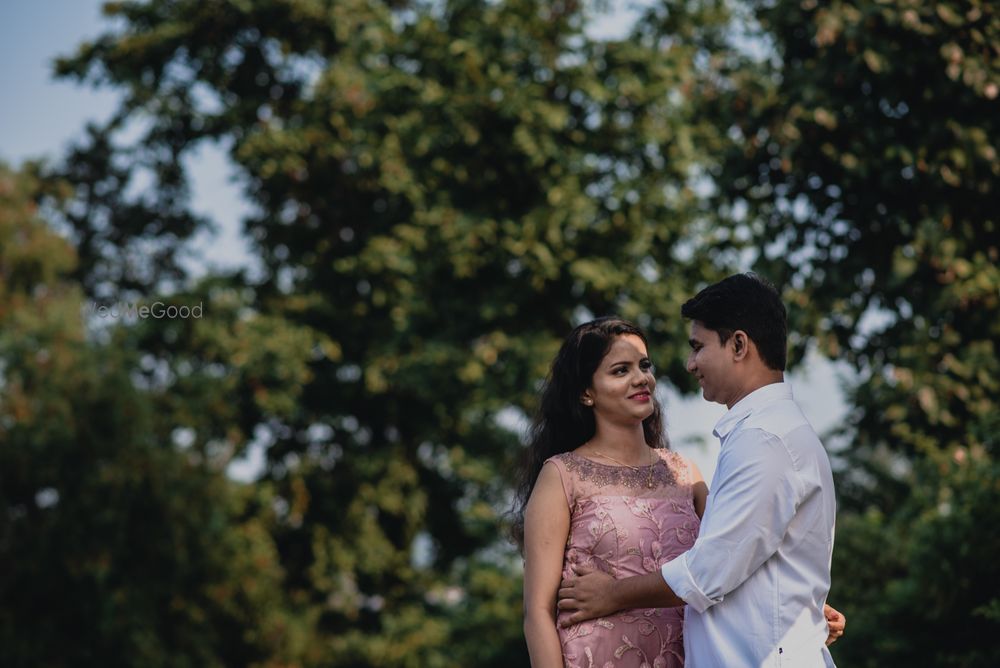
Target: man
[756,580]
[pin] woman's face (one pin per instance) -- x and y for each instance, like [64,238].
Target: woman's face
[622,387]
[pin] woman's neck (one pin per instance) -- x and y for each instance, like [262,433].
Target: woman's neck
[626,443]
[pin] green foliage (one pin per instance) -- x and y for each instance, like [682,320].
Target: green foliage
[876,175]
[124,549]
[931,567]
[866,165]
[441,191]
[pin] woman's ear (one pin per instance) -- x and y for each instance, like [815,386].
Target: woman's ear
[587,399]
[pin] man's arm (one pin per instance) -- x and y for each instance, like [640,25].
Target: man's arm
[753,506]
[755,500]
[595,594]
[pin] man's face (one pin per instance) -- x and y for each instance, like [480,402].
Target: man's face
[710,362]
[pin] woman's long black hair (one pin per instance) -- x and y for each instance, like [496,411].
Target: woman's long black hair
[563,423]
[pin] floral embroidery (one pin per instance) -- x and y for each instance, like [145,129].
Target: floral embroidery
[622,527]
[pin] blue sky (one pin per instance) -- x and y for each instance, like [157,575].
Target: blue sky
[39,116]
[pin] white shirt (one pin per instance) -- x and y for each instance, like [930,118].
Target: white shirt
[756,579]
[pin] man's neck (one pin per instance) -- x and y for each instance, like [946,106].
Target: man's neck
[754,383]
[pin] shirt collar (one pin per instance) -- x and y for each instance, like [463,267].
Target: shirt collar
[742,408]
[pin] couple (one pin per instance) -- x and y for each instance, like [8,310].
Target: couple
[624,532]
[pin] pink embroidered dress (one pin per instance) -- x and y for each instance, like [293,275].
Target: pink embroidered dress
[627,521]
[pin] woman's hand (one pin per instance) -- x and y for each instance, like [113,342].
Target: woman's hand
[835,623]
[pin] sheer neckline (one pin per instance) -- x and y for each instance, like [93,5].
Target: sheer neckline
[659,459]
[662,472]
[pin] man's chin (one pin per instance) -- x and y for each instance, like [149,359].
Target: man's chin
[714,398]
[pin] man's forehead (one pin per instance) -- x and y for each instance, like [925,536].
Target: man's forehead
[697,330]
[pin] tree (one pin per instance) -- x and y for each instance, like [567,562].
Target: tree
[867,166]
[442,190]
[115,547]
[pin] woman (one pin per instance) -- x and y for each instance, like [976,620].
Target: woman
[599,488]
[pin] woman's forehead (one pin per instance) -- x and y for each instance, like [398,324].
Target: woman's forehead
[625,347]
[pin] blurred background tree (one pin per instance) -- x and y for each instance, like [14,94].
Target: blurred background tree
[115,547]
[441,191]
[866,164]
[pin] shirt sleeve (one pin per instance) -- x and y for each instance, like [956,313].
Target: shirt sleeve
[757,491]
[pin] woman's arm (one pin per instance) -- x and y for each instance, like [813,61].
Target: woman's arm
[546,527]
[699,489]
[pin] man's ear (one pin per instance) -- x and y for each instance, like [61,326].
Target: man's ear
[741,345]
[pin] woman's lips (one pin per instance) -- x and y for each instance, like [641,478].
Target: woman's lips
[640,396]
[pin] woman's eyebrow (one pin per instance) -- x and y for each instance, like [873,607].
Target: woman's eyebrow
[641,359]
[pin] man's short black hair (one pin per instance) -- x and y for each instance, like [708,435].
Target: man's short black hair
[747,302]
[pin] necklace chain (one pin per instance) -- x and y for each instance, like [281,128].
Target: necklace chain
[649,477]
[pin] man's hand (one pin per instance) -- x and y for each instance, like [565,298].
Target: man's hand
[835,622]
[587,596]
